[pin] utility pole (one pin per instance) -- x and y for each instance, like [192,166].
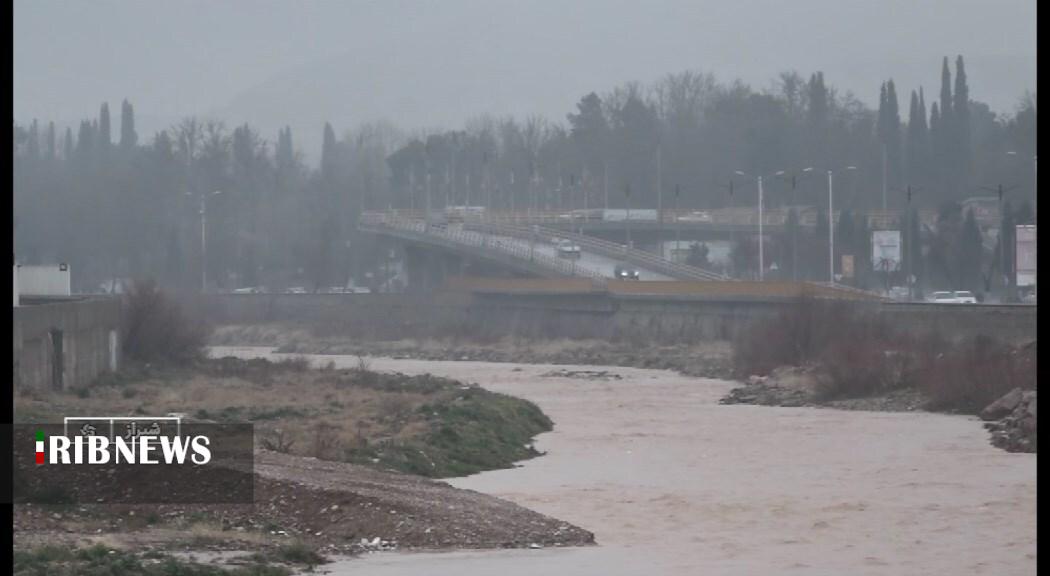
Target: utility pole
[605,182]
[677,227]
[427,217]
[831,231]
[883,177]
[659,190]
[627,220]
[204,250]
[761,257]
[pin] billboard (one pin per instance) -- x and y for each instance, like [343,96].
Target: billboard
[1025,255]
[886,250]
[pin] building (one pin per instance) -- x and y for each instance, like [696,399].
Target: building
[61,341]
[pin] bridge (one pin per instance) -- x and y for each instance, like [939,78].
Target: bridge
[528,248]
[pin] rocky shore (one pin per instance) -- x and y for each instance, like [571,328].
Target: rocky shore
[1012,421]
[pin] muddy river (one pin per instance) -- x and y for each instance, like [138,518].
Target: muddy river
[671,482]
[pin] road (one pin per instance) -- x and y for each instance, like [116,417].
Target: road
[588,260]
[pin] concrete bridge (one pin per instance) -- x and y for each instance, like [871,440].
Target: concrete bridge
[529,249]
[440,247]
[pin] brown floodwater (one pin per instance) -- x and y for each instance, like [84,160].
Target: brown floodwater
[671,482]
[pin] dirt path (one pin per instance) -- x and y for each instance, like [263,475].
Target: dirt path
[671,482]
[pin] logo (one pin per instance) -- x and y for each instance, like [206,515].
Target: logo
[143,440]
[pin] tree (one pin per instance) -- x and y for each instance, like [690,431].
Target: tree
[50,146]
[962,137]
[946,143]
[105,139]
[590,132]
[969,254]
[698,255]
[128,137]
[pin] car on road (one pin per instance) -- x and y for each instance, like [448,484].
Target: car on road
[625,272]
[942,297]
[568,249]
[696,216]
[295,290]
[964,297]
[899,292]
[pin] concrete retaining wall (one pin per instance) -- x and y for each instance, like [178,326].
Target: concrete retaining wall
[64,344]
[582,315]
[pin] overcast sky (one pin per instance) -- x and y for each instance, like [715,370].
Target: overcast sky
[436,64]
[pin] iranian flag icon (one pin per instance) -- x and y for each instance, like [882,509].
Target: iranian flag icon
[39,446]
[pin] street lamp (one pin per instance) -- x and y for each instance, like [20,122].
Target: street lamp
[627,220]
[677,227]
[204,237]
[910,253]
[831,228]
[1000,192]
[794,231]
[732,234]
[761,254]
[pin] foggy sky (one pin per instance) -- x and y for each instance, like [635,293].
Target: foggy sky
[437,64]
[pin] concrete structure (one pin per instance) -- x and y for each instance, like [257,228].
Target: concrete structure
[65,343]
[577,308]
[60,342]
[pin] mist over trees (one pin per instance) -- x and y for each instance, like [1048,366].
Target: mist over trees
[131,207]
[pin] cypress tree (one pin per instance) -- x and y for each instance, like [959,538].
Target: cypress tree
[946,140]
[328,155]
[914,147]
[67,147]
[128,137]
[33,141]
[893,135]
[104,137]
[961,108]
[50,141]
[969,254]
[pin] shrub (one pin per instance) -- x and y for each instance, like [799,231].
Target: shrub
[800,334]
[157,329]
[973,374]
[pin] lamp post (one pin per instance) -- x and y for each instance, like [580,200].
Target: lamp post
[831,227]
[794,231]
[910,254]
[677,227]
[761,253]
[732,234]
[1000,192]
[204,237]
[627,220]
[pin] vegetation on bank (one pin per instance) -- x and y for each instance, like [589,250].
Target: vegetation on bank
[857,354]
[425,425]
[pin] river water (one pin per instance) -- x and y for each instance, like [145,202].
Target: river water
[671,482]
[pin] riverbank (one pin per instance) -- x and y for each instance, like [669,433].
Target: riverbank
[708,359]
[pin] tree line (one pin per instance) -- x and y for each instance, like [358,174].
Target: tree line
[119,207]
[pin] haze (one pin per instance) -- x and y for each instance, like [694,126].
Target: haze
[431,65]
